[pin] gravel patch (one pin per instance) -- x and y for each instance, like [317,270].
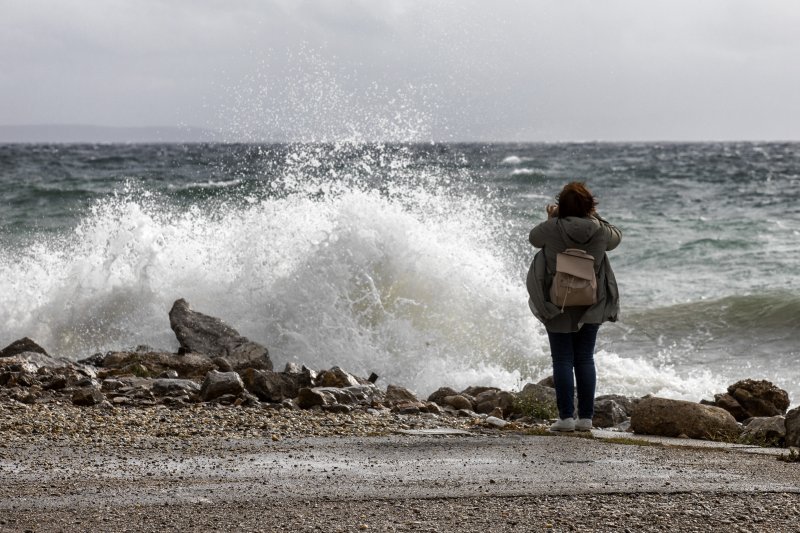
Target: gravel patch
[686,512]
[213,468]
[57,422]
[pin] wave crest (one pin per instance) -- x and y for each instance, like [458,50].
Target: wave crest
[407,283]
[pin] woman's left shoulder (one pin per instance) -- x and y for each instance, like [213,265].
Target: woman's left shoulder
[611,233]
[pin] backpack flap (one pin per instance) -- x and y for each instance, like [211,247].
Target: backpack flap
[575,263]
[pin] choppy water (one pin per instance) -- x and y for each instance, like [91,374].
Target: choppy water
[407,260]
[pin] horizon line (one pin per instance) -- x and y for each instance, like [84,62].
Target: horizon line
[217,137]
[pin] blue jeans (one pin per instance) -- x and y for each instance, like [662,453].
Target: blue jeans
[574,353]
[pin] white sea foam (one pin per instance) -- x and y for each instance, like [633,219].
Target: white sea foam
[411,286]
[512,160]
[210,184]
[637,377]
[523,171]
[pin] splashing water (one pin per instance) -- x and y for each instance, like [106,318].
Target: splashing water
[402,281]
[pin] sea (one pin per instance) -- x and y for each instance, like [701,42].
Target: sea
[407,260]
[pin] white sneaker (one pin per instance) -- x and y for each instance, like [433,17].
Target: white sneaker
[563,424]
[583,424]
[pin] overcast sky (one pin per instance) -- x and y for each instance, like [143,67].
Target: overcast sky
[408,69]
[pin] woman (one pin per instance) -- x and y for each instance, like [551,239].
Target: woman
[572,331]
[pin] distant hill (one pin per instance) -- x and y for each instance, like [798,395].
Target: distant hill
[63,133]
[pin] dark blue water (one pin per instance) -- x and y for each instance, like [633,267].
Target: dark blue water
[407,259]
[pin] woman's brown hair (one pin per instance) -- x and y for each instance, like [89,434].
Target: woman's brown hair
[575,200]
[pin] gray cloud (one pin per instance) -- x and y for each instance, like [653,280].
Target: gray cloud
[408,70]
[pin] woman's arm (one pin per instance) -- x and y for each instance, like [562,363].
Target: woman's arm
[613,234]
[536,236]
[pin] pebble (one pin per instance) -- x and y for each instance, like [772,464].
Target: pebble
[645,513]
[64,422]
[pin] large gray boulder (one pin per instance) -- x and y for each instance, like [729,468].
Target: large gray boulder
[753,398]
[207,335]
[675,418]
[760,398]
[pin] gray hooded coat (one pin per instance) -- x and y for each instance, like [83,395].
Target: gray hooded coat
[593,235]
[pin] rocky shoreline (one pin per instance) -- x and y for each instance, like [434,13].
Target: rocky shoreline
[212,437]
[145,392]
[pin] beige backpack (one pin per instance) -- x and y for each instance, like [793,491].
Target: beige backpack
[575,283]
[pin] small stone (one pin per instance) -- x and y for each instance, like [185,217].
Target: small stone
[223,365]
[165,386]
[765,431]
[496,422]
[336,377]
[311,397]
[547,382]
[397,394]
[291,368]
[109,385]
[337,408]
[439,394]
[87,396]
[218,384]
[58,382]
[792,423]
[457,402]
[269,386]
[608,413]
[408,408]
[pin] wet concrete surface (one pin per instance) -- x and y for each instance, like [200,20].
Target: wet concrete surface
[397,467]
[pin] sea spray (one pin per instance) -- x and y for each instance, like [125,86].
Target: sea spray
[640,376]
[414,291]
[405,282]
